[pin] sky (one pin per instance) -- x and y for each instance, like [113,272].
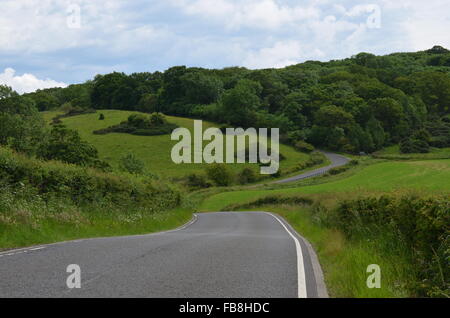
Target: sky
[49,43]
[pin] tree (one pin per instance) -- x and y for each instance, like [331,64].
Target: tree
[6,91]
[66,145]
[241,102]
[434,88]
[22,127]
[44,100]
[148,103]
[333,116]
[201,88]
[388,111]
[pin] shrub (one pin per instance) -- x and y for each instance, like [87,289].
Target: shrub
[198,181]
[247,175]
[337,170]
[101,117]
[414,146]
[130,163]
[219,174]
[270,200]
[303,146]
[66,145]
[141,125]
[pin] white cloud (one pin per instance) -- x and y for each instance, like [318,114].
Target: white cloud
[277,56]
[258,14]
[148,35]
[26,83]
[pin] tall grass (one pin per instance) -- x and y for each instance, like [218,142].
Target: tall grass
[407,236]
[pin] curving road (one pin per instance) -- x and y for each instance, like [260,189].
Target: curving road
[224,254]
[336,161]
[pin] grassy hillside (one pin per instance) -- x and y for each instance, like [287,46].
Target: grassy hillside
[153,150]
[430,176]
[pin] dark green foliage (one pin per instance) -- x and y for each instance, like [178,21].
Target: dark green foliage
[141,125]
[303,146]
[357,104]
[198,181]
[337,170]
[247,175]
[66,145]
[6,92]
[21,126]
[219,174]
[241,103]
[419,225]
[270,200]
[101,117]
[419,142]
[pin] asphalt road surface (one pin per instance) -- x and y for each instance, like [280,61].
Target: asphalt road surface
[224,254]
[336,161]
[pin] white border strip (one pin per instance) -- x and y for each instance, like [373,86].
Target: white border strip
[301,277]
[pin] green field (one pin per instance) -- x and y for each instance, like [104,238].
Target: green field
[427,176]
[154,150]
[393,152]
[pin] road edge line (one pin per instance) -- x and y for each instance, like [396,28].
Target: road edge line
[301,277]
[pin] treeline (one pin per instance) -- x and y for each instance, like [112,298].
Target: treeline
[362,103]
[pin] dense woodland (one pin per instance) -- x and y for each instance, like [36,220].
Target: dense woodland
[359,104]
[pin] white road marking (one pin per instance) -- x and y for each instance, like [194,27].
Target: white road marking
[301,277]
[20,251]
[36,248]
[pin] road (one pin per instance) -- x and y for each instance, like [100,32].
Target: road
[335,159]
[224,254]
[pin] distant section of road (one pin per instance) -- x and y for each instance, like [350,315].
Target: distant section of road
[336,161]
[224,254]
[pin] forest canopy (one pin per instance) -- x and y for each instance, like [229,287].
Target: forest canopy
[361,103]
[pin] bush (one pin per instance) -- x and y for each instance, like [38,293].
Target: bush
[131,164]
[219,174]
[198,181]
[247,175]
[101,117]
[418,143]
[271,200]
[414,146]
[303,146]
[141,125]
[337,170]
[66,145]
